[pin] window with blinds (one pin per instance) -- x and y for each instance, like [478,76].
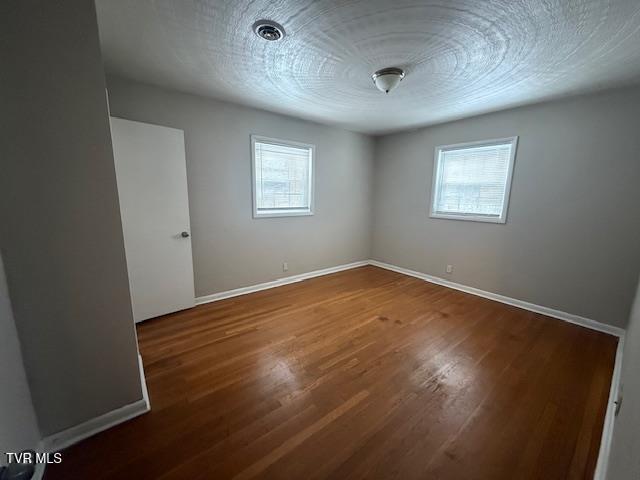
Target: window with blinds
[282,177]
[472,181]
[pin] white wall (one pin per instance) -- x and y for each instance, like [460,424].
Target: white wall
[624,462]
[231,249]
[60,234]
[573,227]
[18,428]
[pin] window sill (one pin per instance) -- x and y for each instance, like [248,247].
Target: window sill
[469,218]
[281,213]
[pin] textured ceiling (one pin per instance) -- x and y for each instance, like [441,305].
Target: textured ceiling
[462,57]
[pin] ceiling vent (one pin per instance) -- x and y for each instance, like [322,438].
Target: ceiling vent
[268,30]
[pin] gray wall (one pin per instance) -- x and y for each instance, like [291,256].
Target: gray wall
[624,461]
[60,233]
[230,248]
[18,427]
[573,227]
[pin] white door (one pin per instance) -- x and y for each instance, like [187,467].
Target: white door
[154,204]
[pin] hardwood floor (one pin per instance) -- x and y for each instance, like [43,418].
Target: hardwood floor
[360,374]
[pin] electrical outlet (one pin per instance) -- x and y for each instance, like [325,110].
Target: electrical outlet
[449,269]
[285,266]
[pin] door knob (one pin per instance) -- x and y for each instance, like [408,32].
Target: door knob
[184,234]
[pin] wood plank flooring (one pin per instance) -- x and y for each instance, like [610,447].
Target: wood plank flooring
[360,374]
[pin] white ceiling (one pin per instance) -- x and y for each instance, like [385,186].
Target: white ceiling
[462,57]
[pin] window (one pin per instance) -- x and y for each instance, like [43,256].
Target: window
[282,177]
[471,181]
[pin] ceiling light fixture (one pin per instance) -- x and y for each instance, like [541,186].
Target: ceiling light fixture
[268,30]
[388,78]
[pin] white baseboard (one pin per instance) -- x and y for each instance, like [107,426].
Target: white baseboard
[550,312]
[277,283]
[65,438]
[39,472]
[607,432]
[143,383]
[607,429]
[61,440]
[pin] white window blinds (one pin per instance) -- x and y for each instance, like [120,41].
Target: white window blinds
[282,175]
[472,181]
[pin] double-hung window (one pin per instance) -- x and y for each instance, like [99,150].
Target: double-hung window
[471,181]
[282,177]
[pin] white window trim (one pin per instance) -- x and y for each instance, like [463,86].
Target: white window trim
[312,176]
[436,180]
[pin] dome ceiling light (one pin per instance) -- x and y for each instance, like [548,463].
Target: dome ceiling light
[388,78]
[268,30]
